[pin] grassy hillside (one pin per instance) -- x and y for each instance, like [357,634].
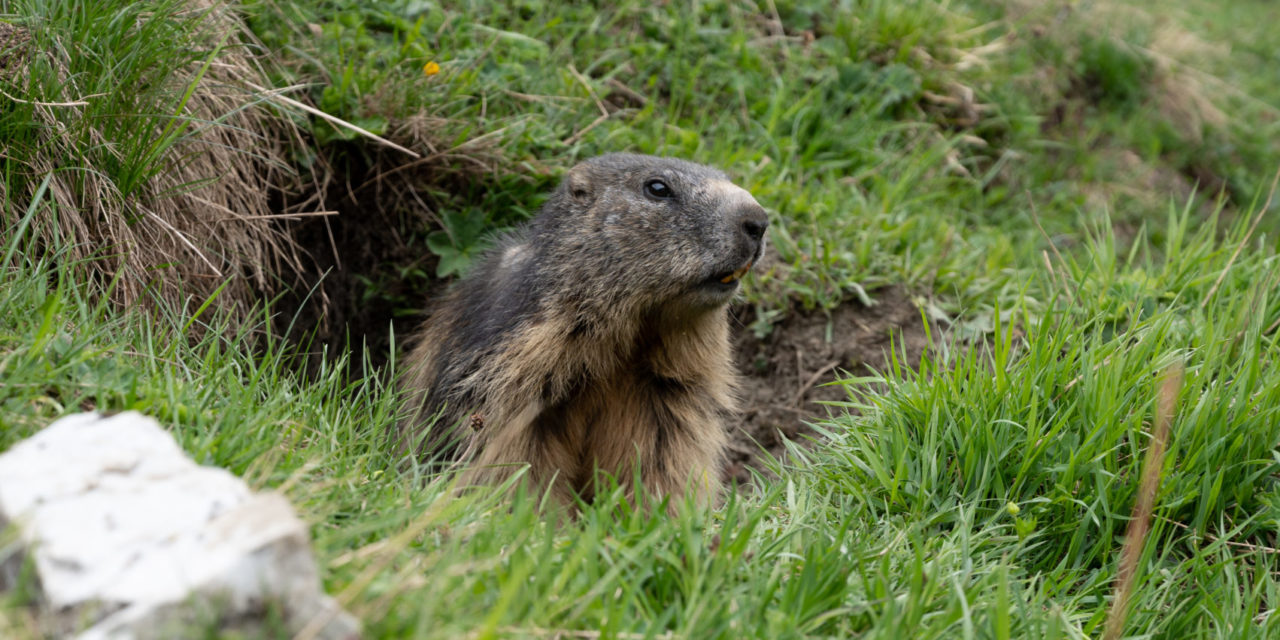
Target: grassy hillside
[1074,197]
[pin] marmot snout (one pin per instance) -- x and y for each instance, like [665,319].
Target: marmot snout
[595,336]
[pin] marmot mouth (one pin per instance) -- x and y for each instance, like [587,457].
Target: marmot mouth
[737,274]
[730,278]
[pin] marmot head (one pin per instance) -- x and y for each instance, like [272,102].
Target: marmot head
[657,231]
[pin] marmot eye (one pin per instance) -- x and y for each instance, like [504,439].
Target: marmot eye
[658,189]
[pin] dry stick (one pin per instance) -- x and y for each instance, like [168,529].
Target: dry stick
[631,94]
[1235,254]
[1136,536]
[1048,263]
[594,123]
[538,98]
[1248,546]
[437,155]
[335,120]
[281,216]
[78,103]
[813,379]
[183,239]
[591,92]
[232,214]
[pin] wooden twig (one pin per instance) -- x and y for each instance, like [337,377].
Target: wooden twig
[439,154]
[813,379]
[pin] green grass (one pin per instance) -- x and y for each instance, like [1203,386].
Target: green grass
[900,524]
[104,58]
[845,174]
[846,135]
[984,494]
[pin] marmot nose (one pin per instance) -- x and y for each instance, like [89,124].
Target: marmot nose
[754,222]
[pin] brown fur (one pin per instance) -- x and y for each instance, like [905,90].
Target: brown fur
[595,337]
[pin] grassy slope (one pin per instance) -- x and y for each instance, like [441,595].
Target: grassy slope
[984,495]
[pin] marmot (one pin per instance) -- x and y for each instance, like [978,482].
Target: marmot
[594,336]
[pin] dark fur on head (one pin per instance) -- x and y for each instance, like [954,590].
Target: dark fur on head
[595,335]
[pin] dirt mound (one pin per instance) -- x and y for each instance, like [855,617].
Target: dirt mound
[783,375]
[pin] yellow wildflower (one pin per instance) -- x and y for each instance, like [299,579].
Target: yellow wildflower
[431,68]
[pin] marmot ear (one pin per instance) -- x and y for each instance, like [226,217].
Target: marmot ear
[577,183]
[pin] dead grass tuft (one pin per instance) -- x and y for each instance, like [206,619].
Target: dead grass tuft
[1181,92]
[1176,86]
[204,220]
[1135,537]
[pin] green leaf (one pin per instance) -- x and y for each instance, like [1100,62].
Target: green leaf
[440,243]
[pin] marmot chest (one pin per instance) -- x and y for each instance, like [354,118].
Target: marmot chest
[630,417]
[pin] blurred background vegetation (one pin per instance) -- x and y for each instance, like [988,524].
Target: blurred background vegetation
[1073,196]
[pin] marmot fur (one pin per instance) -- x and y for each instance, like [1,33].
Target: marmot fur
[595,336]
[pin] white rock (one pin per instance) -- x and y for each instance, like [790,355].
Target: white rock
[129,538]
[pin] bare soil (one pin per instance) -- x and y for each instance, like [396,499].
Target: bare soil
[785,375]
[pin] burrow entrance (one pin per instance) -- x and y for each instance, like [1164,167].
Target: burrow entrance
[378,282]
[785,376]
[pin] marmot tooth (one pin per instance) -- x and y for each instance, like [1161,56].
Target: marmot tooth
[736,274]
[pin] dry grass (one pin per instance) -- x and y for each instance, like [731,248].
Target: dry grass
[1136,536]
[203,221]
[1183,93]
[1179,89]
